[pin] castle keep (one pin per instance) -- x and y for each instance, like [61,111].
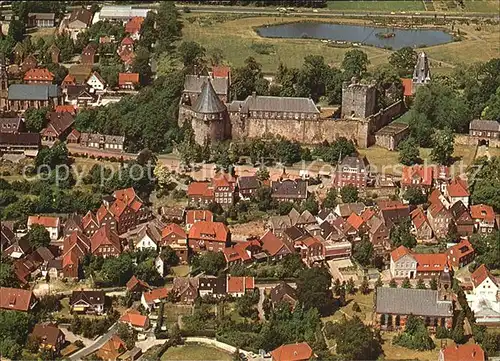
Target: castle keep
[206,104]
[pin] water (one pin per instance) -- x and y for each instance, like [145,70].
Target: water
[357,34]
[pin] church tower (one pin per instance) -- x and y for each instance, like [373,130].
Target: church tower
[445,284]
[422,71]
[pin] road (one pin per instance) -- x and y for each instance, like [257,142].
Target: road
[95,346]
[260,305]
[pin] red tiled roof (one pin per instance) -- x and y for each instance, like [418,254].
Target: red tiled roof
[407,87]
[386,205]
[127,56]
[156,294]
[74,134]
[39,74]
[239,284]
[134,318]
[461,249]
[210,231]
[128,78]
[458,188]
[134,281]
[238,252]
[367,214]
[467,352]
[45,221]
[423,175]
[482,211]
[105,236]
[223,180]
[355,221]
[195,215]
[399,252]
[126,195]
[202,189]
[292,352]
[117,208]
[271,243]
[430,262]
[101,213]
[127,41]
[15,299]
[221,71]
[134,25]
[88,218]
[479,275]
[435,208]
[69,80]
[65,108]
[173,228]
[112,349]
[418,218]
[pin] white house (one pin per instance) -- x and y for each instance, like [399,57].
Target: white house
[96,82]
[151,299]
[484,299]
[457,190]
[148,238]
[403,264]
[51,224]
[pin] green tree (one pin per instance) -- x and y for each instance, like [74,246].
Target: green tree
[406,283]
[421,284]
[191,54]
[168,26]
[416,336]
[35,119]
[330,200]
[401,235]
[262,174]
[313,289]
[392,283]
[355,63]
[404,60]
[311,205]
[249,79]
[118,270]
[38,236]
[350,286]
[433,284]
[17,29]
[414,196]
[210,262]
[142,65]
[312,77]
[349,194]
[7,276]
[379,283]
[458,332]
[357,341]
[365,286]
[409,153]
[363,252]
[443,146]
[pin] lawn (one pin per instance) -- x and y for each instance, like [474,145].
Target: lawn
[396,5]
[171,312]
[394,352]
[180,271]
[194,352]
[365,302]
[235,39]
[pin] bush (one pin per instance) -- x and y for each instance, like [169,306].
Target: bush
[442,332]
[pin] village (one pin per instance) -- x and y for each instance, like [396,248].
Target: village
[174,207]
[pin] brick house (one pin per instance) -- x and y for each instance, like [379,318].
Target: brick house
[439,218]
[128,81]
[89,224]
[275,247]
[284,293]
[106,243]
[420,225]
[200,194]
[310,250]
[196,215]
[485,129]
[289,190]
[484,217]
[54,53]
[38,76]
[417,176]
[29,63]
[208,236]
[220,189]
[462,219]
[16,299]
[247,186]
[75,246]
[51,224]
[186,289]
[378,235]
[352,170]
[58,127]
[460,254]
[49,336]
[176,238]
[89,54]
[238,286]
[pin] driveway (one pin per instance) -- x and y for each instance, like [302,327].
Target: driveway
[96,345]
[260,307]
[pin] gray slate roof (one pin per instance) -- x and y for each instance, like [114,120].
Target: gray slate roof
[33,92]
[485,125]
[194,84]
[279,104]
[96,138]
[405,301]
[208,102]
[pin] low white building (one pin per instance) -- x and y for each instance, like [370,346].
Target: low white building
[403,264]
[484,299]
[148,238]
[96,82]
[51,224]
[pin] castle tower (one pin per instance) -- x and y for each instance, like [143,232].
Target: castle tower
[358,100]
[445,284]
[422,72]
[210,118]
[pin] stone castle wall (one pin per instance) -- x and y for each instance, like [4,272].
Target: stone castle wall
[358,100]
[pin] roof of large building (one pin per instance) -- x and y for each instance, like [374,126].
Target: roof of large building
[278,104]
[194,84]
[15,299]
[292,352]
[27,139]
[208,102]
[485,125]
[33,91]
[399,253]
[461,249]
[239,284]
[482,211]
[289,188]
[467,352]
[89,296]
[406,301]
[81,14]
[122,11]
[209,231]
[126,78]
[282,289]
[195,215]
[60,122]
[38,74]
[134,318]
[46,221]
[458,187]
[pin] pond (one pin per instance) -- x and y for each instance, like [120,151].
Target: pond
[377,36]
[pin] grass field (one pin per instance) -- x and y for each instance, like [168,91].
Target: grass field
[195,353]
[171,312]
[396,5]
[237,39]
[180,271]
[394,352]
[365,302]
